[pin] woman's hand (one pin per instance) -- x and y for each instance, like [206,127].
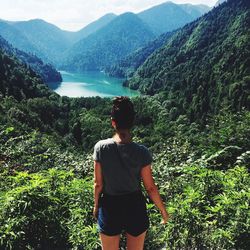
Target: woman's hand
[165,217]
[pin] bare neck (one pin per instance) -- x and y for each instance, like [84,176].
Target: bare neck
[123,136]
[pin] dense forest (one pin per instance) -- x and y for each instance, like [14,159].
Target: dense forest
[201,158]
[127,66]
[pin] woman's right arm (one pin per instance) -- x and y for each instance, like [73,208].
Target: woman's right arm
[152,190]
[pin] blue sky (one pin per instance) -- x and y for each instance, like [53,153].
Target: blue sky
[75,14]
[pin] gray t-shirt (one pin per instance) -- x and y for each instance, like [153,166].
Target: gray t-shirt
[121,176]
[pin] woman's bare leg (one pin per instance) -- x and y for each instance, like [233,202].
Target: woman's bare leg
[110,242]
[135,243]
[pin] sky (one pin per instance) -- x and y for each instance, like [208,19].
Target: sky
[75,14]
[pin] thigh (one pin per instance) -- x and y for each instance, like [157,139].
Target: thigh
[135,242]
[110,242]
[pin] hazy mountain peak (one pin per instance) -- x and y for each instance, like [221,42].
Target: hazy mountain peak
[108,15]
[169,16]
[127,14]
[37,22]
[219,2]
[94,26]
[121,36]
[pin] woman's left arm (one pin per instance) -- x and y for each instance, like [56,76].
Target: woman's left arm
[98,185]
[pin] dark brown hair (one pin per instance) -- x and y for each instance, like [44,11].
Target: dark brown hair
[123,112]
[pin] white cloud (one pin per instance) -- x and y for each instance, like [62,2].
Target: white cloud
[75,14]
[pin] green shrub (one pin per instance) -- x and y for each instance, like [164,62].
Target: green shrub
[47,210]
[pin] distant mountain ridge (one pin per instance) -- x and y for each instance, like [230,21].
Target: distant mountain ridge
[46,37]
[53,44]
[170,16]
[219,2]
[120,37]
[94,26]
[47,72]
[46,40]
[17,39]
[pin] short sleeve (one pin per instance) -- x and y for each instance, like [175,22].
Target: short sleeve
[146,157]
[97,153]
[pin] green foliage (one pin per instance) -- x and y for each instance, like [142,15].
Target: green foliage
[127,66]
[210,209]
[18,80]
[48,210]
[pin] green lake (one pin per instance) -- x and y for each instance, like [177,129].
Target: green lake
[90,83]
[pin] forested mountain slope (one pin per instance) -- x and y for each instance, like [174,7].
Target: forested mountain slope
[17,39]
[18,80]
[120,37]
[128,65]
[205,65]
[219,2]
[94,26]
[170,16]
[46,71]
[45,37]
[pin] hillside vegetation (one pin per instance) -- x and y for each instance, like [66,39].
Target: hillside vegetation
[93,27]
[45,37]
[46,71]
[127,66]
[17,39]
[204,66]
[123,35]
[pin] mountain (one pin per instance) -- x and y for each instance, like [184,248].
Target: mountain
[16,38]
[94,26]
[46,40]
[170,16]
[18,80]
[54,45]
[219,2]
[127,66]
[116,40]
[195,11]
[205,65]
[47,72]
[45,37]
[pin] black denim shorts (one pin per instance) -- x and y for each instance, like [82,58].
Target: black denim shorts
[122,213]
